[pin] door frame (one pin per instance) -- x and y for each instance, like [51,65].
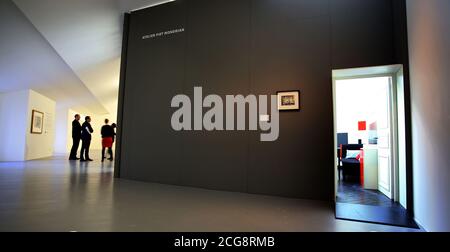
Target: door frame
[390,71]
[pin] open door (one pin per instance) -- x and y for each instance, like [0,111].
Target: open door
[370,132]
[385,165]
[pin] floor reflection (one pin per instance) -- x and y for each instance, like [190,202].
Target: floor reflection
[61,195]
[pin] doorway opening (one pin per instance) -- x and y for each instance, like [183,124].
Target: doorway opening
[370,140]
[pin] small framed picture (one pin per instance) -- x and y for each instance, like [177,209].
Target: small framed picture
[288,100]
[37,122]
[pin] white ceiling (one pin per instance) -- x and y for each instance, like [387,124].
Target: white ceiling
[87,35]
[27,61]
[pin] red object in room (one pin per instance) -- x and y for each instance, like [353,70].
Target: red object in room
[361,167]
[362,125]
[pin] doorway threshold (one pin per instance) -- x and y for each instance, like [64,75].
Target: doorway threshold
[392,216]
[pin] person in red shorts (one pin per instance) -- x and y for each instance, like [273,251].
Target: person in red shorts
[108,133]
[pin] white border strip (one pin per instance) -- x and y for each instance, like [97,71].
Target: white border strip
[152,5]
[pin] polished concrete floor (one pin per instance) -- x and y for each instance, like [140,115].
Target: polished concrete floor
[58,195]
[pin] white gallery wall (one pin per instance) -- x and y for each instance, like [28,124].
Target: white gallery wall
[40,145]
[429,52]
[61,130]
[18,143]
[13,125]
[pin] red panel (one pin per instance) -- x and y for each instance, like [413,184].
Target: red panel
[362,125]
[361,161]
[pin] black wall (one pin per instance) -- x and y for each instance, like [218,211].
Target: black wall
[245,47]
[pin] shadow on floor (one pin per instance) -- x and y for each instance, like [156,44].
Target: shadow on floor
[356,203]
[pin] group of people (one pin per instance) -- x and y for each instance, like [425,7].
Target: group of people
[83,132]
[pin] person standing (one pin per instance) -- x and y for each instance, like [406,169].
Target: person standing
[86,132]
[113,126]
[107,132]
[76,137]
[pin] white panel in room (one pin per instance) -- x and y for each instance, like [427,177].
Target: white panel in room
[384,176]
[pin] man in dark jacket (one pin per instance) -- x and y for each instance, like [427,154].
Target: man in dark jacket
[76,137]
[86,131]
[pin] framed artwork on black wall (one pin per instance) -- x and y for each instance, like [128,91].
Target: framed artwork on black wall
[288,100]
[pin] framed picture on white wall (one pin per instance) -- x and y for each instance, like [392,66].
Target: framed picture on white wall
[37,122]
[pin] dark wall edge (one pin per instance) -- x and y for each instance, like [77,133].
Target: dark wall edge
[123,72]
[402,55]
